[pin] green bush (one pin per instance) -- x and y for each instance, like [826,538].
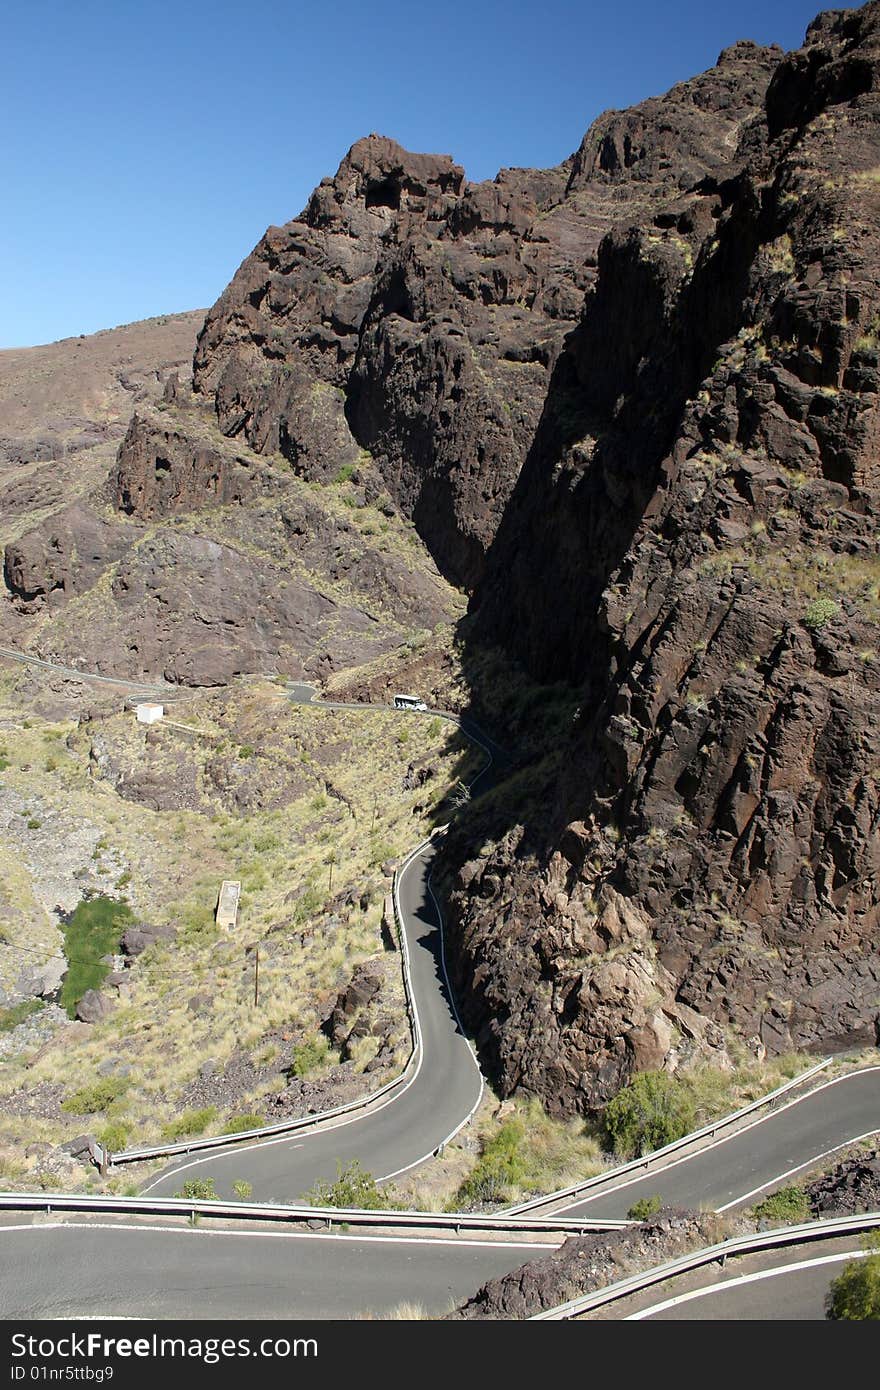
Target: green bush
[307,1056]
[855,1295]
[501,1166]
[115,1135]
[651,1111]
[200,1189]
[344,473]
[243,1189]
[820,612]
[189,1123]
[239,1124]
[17,1013]
[246,751]
[789,1204]
[354,1187]
[94,930]
[91,1099]
[645,1207]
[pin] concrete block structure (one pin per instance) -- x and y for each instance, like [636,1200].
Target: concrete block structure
[149,713]
[227,904]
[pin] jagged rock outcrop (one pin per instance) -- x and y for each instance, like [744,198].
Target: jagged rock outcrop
[587,1263]
[852,1186]
[418,317]
[701,503]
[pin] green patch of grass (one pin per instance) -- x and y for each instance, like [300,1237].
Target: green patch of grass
[90,1100]
[310,1055]
[94,930]
[820,612]
[344,473]
[115,1135]
[788,1205]
[17,1013]
[189,1123]
[239,1124]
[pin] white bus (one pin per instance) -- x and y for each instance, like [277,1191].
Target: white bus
[409,702]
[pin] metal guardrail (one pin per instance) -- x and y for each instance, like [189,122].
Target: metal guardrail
[739,1245]
[656,1159]
[398,1084]
[452,1223]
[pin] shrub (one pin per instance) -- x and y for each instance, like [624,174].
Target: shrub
[354,1187]
[242,1189]
[344,474]
[190,1122]
[789,1205]
[645,1207]
[201,1189]
[115,1136]
[90,1099]
[501,1166]
[855,1295]
[307,1056]
[820,612]
[246,750]
[651,1111]
[239,1124]
[17,1013]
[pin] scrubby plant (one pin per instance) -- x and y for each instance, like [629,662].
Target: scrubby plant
[189,1123]
[653,1110]
[645,1207]
[309,1055]
[199,1189]
[354,1187]
[94,930]
[788,1204]
[89,1100]
[820,612]
[240,1124]
[854,1296]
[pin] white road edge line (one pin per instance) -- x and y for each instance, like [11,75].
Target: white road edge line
[744,1279]
[780,1177]
[281,1235]
[717,1143]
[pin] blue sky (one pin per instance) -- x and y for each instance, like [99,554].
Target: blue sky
[148,145]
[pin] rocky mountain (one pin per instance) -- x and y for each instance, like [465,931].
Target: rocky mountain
[692,543]
[629,406]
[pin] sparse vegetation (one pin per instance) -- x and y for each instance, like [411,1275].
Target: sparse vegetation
[15,1014]
[651,1111]
[854,1295]
[199,1190]
[354,1187]
[94,930]
[644,1208]
[191,1122]
[788,1205]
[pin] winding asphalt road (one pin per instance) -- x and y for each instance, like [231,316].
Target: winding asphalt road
[771,1149]
[155,1269]
[445,1087]
[163,1271]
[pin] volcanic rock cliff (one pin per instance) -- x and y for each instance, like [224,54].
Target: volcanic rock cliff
[693,544]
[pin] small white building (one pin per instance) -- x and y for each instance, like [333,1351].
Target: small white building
[149,714]
[226,914]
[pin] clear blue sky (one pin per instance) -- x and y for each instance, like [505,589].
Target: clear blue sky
[147,144]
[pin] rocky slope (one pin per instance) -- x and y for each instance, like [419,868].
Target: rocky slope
[700,500]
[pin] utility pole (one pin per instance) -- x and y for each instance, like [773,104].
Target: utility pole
[256,950]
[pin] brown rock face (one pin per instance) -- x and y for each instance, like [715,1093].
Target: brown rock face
[693,544]
[418,317]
